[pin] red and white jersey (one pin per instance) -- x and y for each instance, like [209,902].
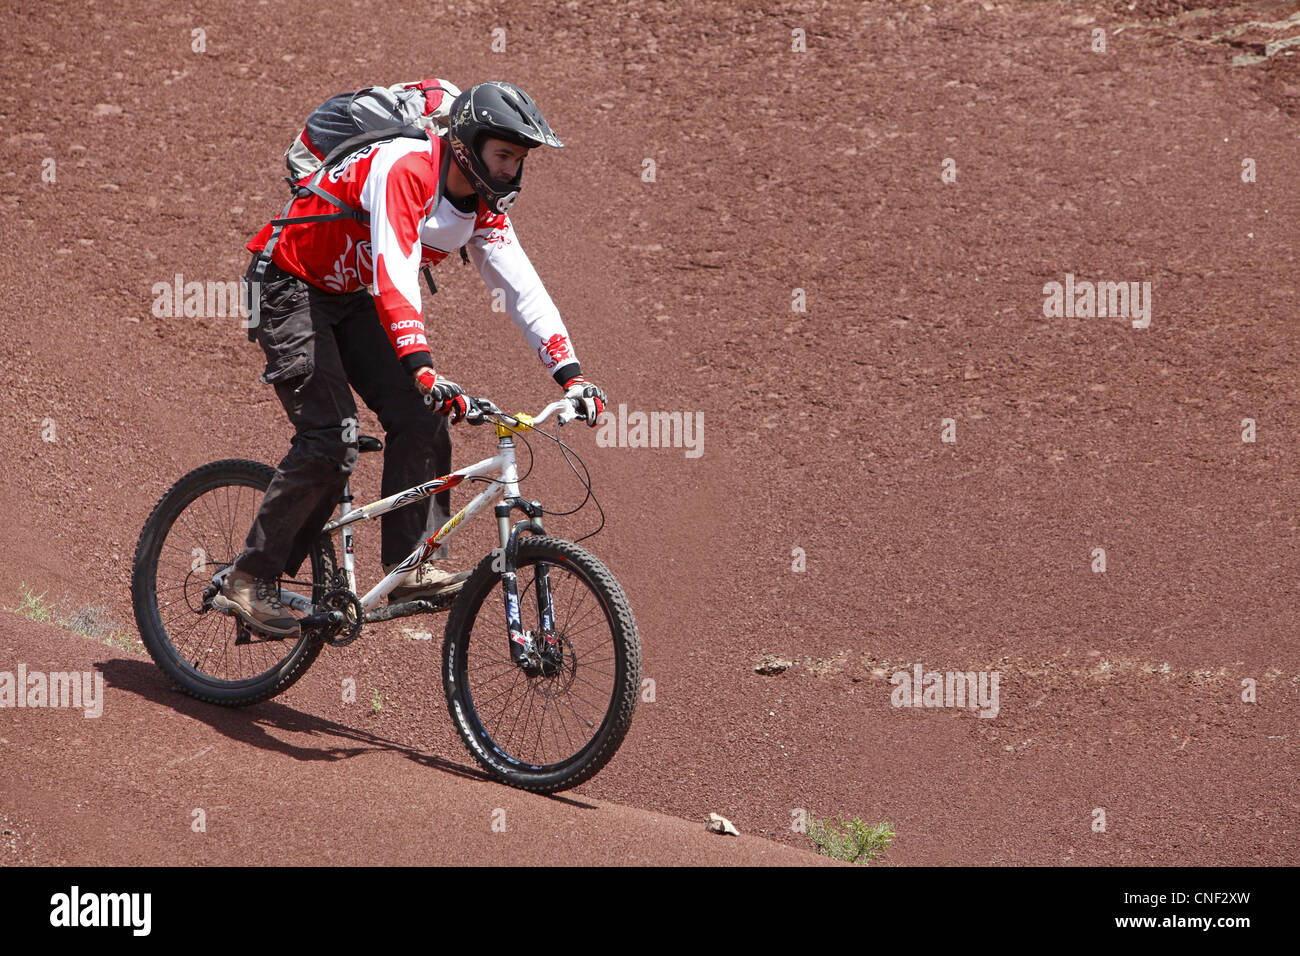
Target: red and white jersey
[396,182]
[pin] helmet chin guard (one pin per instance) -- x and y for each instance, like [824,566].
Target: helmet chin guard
[501,111]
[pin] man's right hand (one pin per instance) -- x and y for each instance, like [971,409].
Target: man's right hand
[444,397]
[590,398]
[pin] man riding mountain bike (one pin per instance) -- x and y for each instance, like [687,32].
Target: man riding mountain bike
[340,306]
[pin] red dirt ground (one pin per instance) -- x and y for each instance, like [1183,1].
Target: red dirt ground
[776,170]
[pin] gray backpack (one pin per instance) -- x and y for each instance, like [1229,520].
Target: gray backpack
[360,116]
[344,124]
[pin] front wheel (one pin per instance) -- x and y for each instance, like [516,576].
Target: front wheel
[546,729]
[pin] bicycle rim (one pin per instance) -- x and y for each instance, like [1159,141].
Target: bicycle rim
[548,723]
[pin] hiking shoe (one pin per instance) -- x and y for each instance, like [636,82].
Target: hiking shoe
[257,602]
[427,583]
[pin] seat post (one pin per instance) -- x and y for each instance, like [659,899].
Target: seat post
[349,549]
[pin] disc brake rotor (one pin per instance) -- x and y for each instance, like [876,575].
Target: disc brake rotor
[556,665]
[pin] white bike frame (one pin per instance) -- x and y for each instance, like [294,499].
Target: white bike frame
[502,470]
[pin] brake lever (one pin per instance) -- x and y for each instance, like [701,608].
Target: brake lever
[479,409]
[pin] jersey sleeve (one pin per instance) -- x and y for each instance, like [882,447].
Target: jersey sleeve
[396,193]
[495,251]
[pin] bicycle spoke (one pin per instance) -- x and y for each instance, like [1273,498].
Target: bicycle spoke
[528,698]
[508,693]
[567,736]
[541,753]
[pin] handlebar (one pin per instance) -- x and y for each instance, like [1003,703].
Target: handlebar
[480,408]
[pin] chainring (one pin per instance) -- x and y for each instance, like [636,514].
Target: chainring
[341,599]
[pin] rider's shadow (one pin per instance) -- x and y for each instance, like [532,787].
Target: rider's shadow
[251,725]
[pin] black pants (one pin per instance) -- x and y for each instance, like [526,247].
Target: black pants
[316,345]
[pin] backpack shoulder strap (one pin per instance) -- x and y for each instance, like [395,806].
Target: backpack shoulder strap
[346,211]
[442,185]
[442,174]
[263,259]
[365,138]
[336,155]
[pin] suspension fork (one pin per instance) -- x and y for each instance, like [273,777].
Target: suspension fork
[522,647]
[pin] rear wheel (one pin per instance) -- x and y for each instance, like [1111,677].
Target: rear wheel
[196,530]
[549,727]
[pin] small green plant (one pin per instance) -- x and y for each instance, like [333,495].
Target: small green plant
[852,841]
[88,621]
[376,702]
[33,606]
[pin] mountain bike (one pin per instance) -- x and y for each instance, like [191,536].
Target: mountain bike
[541,660]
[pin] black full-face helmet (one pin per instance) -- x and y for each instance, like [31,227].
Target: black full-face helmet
[503,111]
